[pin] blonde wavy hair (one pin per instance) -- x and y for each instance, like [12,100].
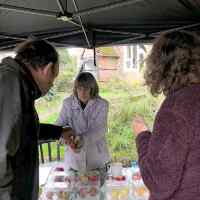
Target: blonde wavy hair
[174,62]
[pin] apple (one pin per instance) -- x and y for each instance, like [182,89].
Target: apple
[120,178]
[136,176]
[93,191]
[49,195]
[82,192]
[93,178]
[59,169]
[59,179]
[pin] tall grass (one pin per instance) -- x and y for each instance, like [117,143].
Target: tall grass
[126,101]
[135,100]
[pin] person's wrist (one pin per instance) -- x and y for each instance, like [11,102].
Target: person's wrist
[66,128]
[141,131]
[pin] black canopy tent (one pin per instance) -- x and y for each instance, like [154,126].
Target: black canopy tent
[94,23]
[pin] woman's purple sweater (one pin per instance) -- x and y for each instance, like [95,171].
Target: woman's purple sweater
[169,157]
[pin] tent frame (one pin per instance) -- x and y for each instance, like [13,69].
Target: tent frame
[79,26]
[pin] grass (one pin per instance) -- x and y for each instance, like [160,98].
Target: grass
[126,101]
[53,151]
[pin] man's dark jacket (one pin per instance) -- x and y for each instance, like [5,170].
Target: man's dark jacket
[19,132]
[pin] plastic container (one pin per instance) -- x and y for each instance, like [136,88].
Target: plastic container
[117,189]
[138,188]
[59,169]
[136,175]
[88,192]
[116,169]
[72,185]
[140,192]
[85,185]
[57,186]
[135,167]
[55,193]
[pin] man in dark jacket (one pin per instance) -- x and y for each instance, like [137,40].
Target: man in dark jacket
[22,80]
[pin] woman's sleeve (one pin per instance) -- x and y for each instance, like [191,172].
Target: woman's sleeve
[63,115]
[163,154]
[98,124]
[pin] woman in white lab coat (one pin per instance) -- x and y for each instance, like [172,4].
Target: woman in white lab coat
[86,113]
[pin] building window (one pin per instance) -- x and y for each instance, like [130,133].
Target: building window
[130,57]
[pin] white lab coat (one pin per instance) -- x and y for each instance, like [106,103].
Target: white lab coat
[91,123]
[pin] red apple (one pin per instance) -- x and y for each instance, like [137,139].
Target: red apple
[59,179]
[93,191]
[82,192]
[93,178]
[120,178]
[59,169]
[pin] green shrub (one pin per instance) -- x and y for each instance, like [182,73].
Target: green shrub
[126,101]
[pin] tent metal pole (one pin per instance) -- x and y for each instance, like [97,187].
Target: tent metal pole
[122,41]
[60,6]
[34,12]
[50,32]
[80,19]
[115,31]
[8,45]
[53,36]
[29,10]
[58,44]
[105,7]
[94,54]
[64,13]
[175,29]
[62,35]
[12,37]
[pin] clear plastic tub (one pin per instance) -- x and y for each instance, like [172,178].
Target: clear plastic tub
[140,193]
[86,185]
[88,192]
[54,192]
[117,190]
[139,190]
[72,185]
[57,186]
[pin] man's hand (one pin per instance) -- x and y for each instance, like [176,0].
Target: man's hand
[138,125]
[71,139]
[76,143]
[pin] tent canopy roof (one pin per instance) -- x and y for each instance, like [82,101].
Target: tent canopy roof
[94,23]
